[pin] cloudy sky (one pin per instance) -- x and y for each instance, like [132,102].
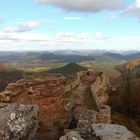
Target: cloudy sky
[69,24]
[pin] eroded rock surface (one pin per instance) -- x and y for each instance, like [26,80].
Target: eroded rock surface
[47,94]
[112,132]
[100,89]
[93,117]
[95,124]
[101,132]
[18,122]
[73,135]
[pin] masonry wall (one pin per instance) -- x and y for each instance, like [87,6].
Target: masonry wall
[47,94]
[99,91]
[75,83]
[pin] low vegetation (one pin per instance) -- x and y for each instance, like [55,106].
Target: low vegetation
[67,94]
[69,69]
[124,99]
[89,100]
[8,75]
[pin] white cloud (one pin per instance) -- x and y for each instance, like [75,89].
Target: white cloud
[133,10]
[100,36]
[86,5]
[57,41]
[24,27]
[32,41]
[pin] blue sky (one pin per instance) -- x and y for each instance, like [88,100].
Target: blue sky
[71,24]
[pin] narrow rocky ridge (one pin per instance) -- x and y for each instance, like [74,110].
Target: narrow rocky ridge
[70,117]
[95,124]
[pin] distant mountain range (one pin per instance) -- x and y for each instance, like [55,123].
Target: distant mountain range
[65,56]
[122,57]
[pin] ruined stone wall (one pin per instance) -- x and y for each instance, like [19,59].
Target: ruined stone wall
[95,125]
[87,75]
[46,93]
[104,114]
[72,85]
[101,132]
[75,83]
[89,117]
[99,91]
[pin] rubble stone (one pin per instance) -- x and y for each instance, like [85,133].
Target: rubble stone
[18,122]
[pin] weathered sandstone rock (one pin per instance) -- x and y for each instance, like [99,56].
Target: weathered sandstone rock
[93,117]
[100,90]
[101,132]
[112,132]
[47,94]
[73,135]
[18,122]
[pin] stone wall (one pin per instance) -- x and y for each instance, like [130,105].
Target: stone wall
[89,117]
[99,85]
[101,132]
[104,114]
[75,83]
[46,93]
[89,76]
[99,91]
[95,125]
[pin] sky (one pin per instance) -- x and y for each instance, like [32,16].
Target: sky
[69,24]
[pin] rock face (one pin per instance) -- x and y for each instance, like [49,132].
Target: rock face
[99,89]
[95,124]
[101,132]
[18,122]
[73,135]
[93,117]
[46,93]
[112,132]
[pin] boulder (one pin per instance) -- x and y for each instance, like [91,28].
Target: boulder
[73,135]
[112,132]
[46,93]
[17,121]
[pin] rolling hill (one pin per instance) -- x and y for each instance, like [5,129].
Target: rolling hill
[65,58]
[8,75]
[121,56]
[69,69]
[134,66]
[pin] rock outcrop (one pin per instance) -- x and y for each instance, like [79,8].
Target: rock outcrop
[93,117]
[112,132]
[47,94]
[100,90]
[101,132]
[73,135]
[18,122]
[95,124]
